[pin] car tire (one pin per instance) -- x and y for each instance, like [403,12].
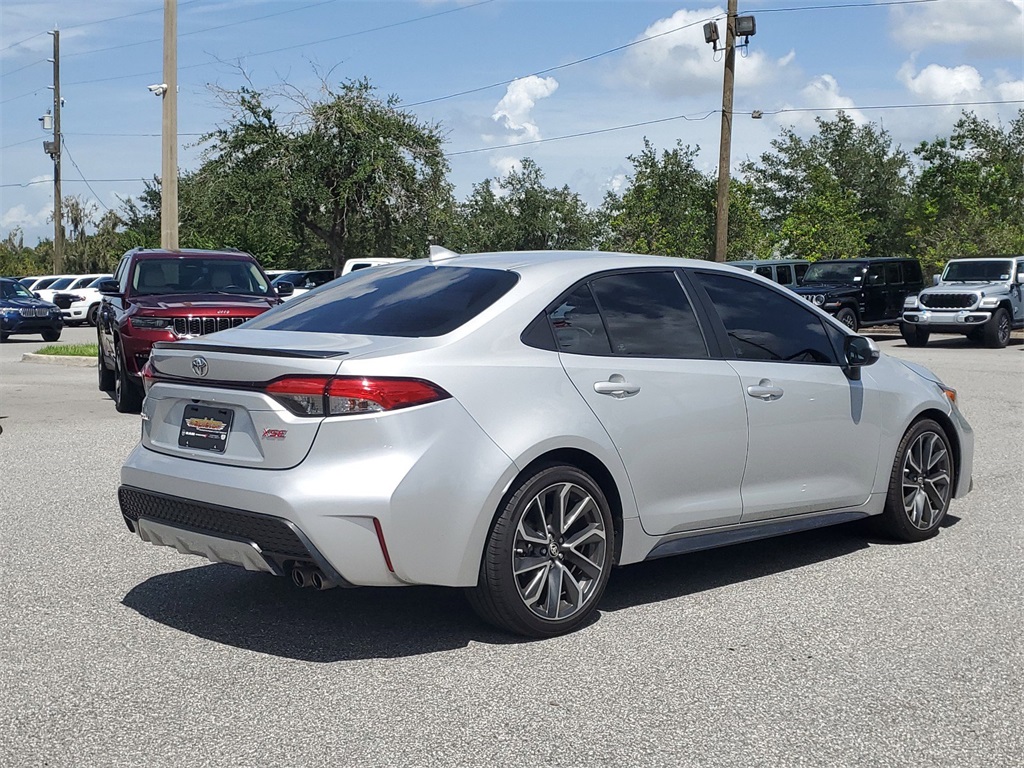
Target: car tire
[105,375]
[127,394]
[548,556]
[997,330]
[921,484]
[93,315]
[848,317]
[51,335]
[914,336]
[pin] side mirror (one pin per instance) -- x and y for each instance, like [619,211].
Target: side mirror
[108,287]
[935,279]
[859,351]
[284,288]
[1020,277]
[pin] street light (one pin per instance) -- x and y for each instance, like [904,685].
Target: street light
[745,27]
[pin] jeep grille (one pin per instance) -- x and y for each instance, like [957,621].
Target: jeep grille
[200,326]
[948,300]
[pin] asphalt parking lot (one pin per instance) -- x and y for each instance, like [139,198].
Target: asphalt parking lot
[830,647]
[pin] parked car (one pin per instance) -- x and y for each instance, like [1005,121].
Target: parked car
[22,313]
[36,284]
[516,424]
[979,298]
[354,265]
[158,295]
[304,280]
[862,292]
[787,272]
[83,305]
[62,283]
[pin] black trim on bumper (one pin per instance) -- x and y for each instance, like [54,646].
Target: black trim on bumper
[278,538]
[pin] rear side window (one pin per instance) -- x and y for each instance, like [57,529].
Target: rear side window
[762,324]
[784,275]
[407,302]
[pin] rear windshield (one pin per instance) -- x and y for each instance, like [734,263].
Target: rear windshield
[412,302]
[195,274]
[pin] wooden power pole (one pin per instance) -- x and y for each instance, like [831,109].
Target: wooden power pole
[725,148]
[169,153]
[54,151]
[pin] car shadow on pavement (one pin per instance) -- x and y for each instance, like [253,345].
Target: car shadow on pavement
[267,614]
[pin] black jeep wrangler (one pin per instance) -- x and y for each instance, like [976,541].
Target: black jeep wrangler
[861,292]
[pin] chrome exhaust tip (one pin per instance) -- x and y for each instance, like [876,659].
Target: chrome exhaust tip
[302,577]
[321,582]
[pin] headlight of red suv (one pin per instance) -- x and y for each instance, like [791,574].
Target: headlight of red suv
[151,323]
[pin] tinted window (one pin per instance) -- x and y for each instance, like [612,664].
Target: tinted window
[648,315]
[577,325]
[13,290]
[421,301]
[801,270]
[784,275]
[763,272]
[893,275]
[762,324]
[912,272]
[876,274]
[834,272]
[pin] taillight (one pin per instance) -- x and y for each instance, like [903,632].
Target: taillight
[148,376]
[346,395]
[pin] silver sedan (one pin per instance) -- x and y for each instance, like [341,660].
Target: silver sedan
[516,424]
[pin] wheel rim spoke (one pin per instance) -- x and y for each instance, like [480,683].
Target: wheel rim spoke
[926,480]
[559,551]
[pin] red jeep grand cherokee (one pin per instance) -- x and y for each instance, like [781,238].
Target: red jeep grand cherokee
[169,295]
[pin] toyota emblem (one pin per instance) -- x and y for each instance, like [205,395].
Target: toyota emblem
[200,366]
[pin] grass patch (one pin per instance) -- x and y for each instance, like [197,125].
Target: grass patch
[74,350]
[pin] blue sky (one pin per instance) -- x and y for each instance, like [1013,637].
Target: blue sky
[807,59]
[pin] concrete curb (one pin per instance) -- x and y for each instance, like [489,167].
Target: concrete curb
[70,360]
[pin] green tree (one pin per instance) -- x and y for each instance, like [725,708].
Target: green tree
[843,165]
[970,193]
[667,208]
[518,213]
[352,170]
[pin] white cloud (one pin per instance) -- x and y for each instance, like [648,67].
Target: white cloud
[984,27]
[677,62]
[823,93]
[20,216]
[939,84]
[515,108]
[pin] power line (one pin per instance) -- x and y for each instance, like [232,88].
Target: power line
[73,181]
[18,143]
[299,45]
[72,159]
[15,45]
[844,5]
[716,111]
[204,29]
[26,66]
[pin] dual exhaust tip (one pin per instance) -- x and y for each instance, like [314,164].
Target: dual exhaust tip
[304,576]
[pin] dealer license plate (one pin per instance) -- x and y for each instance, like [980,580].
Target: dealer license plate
[205,427]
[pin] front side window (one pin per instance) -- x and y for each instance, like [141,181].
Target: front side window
[876,274]
[13,290]
[762,324]
[419,301]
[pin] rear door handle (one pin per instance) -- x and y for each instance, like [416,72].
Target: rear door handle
[765,390]
[616,386]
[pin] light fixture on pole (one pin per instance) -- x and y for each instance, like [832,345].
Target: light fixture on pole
[735,26]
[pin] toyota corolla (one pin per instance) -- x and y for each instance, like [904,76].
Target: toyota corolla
[516,424]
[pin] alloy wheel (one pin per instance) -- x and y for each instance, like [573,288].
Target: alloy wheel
[558,553]
[926,480]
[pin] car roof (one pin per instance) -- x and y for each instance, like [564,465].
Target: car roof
[766,262]
[152,253]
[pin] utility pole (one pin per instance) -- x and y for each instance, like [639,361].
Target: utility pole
[169,153]
[53,149]
[725,148]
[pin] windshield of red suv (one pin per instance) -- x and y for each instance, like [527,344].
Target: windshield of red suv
[977,270]
[833,272]
[195,274]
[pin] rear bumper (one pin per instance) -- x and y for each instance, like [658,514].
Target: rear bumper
[433,500]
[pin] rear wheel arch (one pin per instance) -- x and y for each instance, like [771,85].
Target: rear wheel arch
[586,462]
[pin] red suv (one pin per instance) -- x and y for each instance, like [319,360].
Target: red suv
[160,295]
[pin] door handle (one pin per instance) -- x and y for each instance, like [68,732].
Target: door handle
[765,390]
[616,386]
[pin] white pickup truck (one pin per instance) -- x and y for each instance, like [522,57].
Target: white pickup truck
[979,298]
